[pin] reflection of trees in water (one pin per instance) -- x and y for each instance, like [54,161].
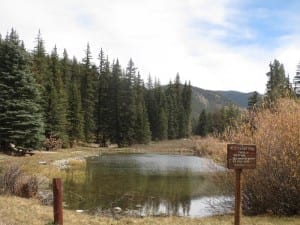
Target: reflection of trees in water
[109,186]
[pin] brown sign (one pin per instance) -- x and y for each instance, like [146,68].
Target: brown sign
[241,156]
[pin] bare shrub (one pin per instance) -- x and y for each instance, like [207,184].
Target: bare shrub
[17,183]
[274,186]
[52,143]
[26,187]
[9,178]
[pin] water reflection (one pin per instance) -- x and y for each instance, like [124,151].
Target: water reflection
[150,183]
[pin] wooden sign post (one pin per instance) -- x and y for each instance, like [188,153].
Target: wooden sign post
[240,157]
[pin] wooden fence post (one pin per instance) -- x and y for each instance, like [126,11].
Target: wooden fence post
[57,201]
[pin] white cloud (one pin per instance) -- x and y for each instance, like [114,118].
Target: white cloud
[289,53]
[160,36]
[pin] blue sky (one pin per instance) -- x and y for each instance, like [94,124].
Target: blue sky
[217,45]
[268,21]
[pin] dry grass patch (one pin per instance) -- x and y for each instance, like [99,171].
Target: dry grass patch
[168,146]
[210,147]
[40,163]
[77,163]
[18,211]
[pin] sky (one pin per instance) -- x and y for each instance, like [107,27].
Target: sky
[217,45]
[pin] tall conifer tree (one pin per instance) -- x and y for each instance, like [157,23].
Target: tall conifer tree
[39,62]
[142,127]
[88,96]
[20,112]
[151,107]
[161,116]
[56,114]
[103,105]
[75,116]
[127,107]
[114,90]
[187,108]
[66,69]
[278,84]
[172,110]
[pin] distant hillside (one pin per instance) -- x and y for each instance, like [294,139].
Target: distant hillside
[236,97]
[213,100]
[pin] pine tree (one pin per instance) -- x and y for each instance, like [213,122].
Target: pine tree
[127,107]
[66,69]
[161,119]
[253,101]
[114,90]
[103,105]
[20,112]
[179,107]
[172,112]
[187,108]
[278,84]
[103,63]
[39,62]
[152,106]
[229,116]
[202,128]
[217,122]
[57,103]
[88,96]
[209,123]
[142,127]
[40,70]
[75,116]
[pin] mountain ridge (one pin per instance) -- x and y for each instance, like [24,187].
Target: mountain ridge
[214,100]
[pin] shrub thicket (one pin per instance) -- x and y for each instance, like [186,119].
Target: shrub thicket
[274,186]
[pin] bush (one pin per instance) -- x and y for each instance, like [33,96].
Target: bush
[17,183]
[9,178]
[53,143]
[274,186]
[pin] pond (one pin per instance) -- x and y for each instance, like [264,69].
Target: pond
[152,184]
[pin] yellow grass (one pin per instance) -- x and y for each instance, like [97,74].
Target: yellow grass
[34,165]
[15,211]
[211,147]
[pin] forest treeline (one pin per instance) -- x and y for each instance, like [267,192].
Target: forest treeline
[57,101]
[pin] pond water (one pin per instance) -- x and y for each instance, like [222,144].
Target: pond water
[152,184]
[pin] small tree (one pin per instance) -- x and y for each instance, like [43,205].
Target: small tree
[278,84]
[202,124]
[253,101]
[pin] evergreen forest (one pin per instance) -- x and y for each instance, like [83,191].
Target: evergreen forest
[51,101]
